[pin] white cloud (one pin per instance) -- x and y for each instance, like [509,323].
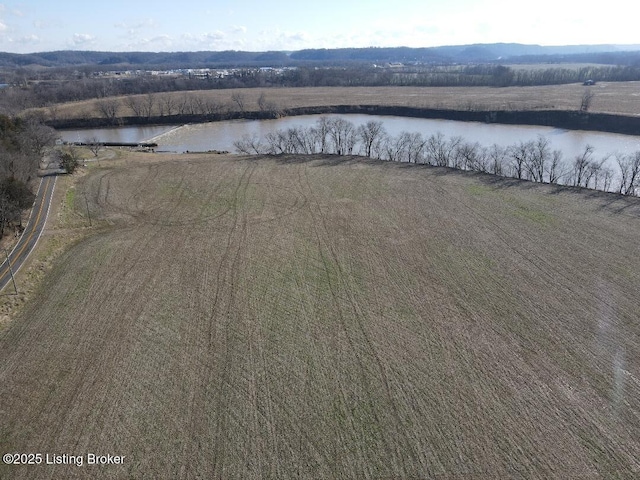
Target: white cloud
[82,39]
[28,40]
[282,40]
[147,23]
[214,36]
[156,43]
[216,40]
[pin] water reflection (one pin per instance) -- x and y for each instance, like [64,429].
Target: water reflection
[222,135]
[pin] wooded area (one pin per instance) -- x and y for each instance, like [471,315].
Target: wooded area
[22,146]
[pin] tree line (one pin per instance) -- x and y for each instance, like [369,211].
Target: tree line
[76,86]
[532,160]
[23,143]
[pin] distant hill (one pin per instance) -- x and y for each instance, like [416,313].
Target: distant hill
[504,52]
[476,53]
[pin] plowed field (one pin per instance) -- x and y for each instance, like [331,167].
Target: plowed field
[332,318]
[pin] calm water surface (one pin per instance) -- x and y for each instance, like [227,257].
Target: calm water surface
[221,135]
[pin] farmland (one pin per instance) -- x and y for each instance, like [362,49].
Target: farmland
[328,317]
[622,98]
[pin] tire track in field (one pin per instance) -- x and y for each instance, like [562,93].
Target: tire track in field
[555,276]
[83,392]
[131,205]
[213,191]
[323,237]
[146,214]
[103,196]
[287,209]
[226,279]
[593,412]
[547,269]
[299,438]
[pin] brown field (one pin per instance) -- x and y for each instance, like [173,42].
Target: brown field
[242,317]
[610,97]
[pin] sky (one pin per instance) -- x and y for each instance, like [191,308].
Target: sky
[192,25]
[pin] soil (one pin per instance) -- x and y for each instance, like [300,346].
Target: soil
[328,317]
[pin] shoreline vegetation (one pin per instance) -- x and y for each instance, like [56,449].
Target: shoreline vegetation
[570,120]
[533,160]
[609,106]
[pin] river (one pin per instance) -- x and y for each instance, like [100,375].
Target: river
[221,135]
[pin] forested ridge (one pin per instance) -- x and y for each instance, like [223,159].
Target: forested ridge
[504,52]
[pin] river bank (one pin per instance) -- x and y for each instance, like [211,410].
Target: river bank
[570,120]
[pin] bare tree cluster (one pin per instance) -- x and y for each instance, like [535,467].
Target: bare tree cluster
[151,105]
[23,143]
[532,160]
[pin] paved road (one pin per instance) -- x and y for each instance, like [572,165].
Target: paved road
[31,233]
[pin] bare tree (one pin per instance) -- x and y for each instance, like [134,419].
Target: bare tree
[607,178]
[249,145]
[190,104]
[497,156]
[135,104]
[148,103]
[415,148]
[108,107]
[342,135]
[321,131]
[556,167]
[536,161]
[262,102]
[267,106]
[17,165]
[593,172]
[395,148]
[581,165]
[586,100]
[239,99]
[15,196]
[94,145]
[285,141]
[629,173]
[212,106]
[54,111]
[520,157]
[371,134]
[480,160]
[310,140]
[198,104]
[167,104]
[8,211]
[441,152]
[35,138]
[468,157]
